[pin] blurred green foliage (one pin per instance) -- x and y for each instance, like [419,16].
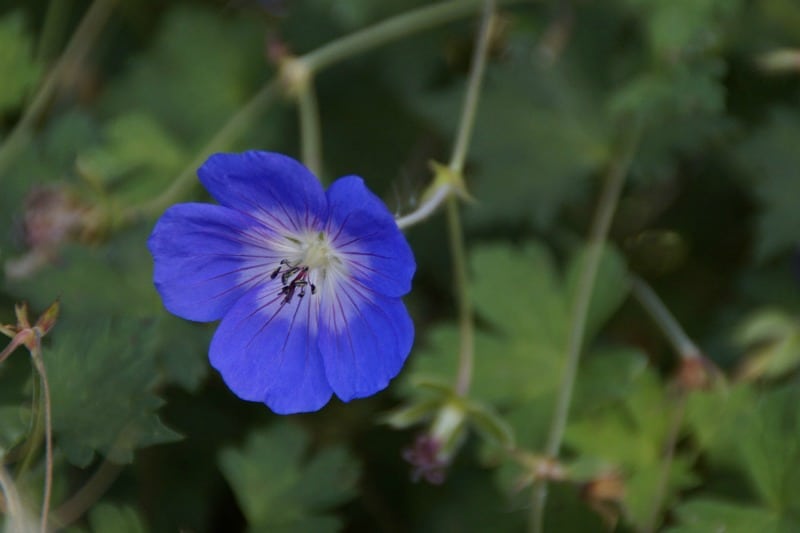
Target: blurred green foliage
[709,217]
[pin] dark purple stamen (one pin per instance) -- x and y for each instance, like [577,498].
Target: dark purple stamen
[300,280]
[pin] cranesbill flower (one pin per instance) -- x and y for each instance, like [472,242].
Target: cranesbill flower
[307,282]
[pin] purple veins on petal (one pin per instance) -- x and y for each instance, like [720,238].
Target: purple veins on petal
[366,235]
[364,339]
[272,187]
[201,263]
[265,352]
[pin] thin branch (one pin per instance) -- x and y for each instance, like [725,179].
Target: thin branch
[466,326]
[94,488]
[601,224]
[36,353]
[680,341]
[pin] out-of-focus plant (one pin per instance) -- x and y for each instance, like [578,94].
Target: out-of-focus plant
[601,203]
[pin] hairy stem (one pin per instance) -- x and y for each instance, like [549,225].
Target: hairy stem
[672,330]
[466,326]
[38,361]
[87,31]
[601,224]
[390,30]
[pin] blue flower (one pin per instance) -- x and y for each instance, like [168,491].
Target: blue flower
[307,282]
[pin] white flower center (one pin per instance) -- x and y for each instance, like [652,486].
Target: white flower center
[316,252]
[311,263]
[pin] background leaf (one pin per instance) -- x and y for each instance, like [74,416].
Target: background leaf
[279,490]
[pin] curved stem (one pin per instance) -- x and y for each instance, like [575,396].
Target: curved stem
[466,353]
[36,353]
[88,29]
[102,479]
[31,446]
[680,341]
[479,58]
[427,208]
[466,333]
[310,135]
[315,61]
[389,30]
[599,232]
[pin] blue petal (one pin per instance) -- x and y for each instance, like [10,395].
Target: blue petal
[364,339]
[203,263]
[267,352]
[364,231]
[272,187]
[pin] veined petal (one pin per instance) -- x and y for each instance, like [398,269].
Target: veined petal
[203,262]
[364,339]
[272,187]
[266,352]
[366,237]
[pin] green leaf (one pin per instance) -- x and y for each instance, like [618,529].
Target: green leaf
[610,287]
[101,379]
[138,148]
[772,340]
[607,376]
[104,518]
[489,424]
[756,434]
[15,421]
[715,418]
[538,135]
[631,436]
[706,515]
[278,490]
[771,159]
[200,70]
[681,27]
[769,441]
[18,70]
[518,361]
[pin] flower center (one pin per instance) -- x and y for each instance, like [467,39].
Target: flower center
[317,252]
[314,259]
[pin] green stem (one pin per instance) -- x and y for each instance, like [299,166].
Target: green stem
[660,492]
[36,354]
[479,58]
[232,129]
[31,446]
[599,232]
[466,326]
[97,485]
[426,208]
[315,61]
[466,352]
[672,330]
[88,29]
[390,30]
[310,135]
